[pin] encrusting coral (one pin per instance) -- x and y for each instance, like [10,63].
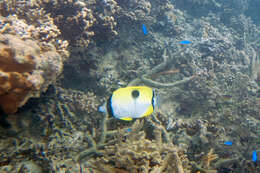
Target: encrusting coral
[16,67]
[29,62]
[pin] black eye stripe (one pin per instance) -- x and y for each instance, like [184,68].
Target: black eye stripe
[135,93]
[109,106]
[153,97]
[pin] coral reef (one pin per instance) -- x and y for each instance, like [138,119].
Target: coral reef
[210,87]
[158,68]
[18,61]
[138,154]
[40,28]
[57,115]
[73,18]
[77,21]
[204,166]
[64,133]
[23,71]
[32,58]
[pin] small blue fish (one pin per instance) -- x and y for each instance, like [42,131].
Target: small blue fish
[145,31]
[128,130]
[254,156]
[185,42]
[42,153]
[229,143]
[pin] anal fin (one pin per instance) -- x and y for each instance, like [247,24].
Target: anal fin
[126,119]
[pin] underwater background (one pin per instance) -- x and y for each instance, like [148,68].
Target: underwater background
[60,60]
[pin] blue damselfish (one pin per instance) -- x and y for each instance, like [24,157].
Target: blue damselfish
[185,42]
[254,156]
[228,143]
[145,31]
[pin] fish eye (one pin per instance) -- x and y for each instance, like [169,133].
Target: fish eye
[135,94]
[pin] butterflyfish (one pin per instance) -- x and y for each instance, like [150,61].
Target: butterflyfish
[130,102]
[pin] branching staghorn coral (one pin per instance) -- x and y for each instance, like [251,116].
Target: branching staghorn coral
[149,82]
[138,154]
[249,35]
[204,166]
[68,129]
[101,142]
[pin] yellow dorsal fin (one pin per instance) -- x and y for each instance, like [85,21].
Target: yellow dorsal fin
[127,119]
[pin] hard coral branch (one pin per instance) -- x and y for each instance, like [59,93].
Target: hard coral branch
[137,153]
[149,82]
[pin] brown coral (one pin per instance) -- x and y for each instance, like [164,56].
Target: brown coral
[31,56]
[25,71]
[16,65]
